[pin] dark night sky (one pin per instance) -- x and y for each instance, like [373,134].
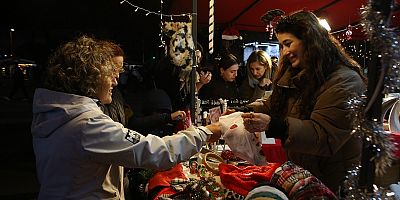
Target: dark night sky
[42,25]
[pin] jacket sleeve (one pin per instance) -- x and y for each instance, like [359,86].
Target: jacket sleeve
[109,142]
[329,126]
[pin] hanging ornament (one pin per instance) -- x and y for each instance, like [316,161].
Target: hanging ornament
[268,19]
[349,32]
[270,29]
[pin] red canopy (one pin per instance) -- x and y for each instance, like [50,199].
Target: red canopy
[245,14]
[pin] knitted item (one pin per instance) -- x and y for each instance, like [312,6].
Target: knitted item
[266,191]
[314,189]
[300,183]
[242,179]
[288,175]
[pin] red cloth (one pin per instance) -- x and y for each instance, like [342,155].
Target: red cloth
[396,139]
[163,178]
[274,152]
[241,179]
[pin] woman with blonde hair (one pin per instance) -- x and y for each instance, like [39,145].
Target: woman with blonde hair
[258,78]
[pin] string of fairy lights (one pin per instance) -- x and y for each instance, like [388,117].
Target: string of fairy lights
[158,13]
[359,50]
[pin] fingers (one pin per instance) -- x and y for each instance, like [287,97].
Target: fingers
[228,111]
[179,115]
[205,77]
[255,122]
[250,115]
[250,125]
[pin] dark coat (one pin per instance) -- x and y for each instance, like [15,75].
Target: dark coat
[251,93]
[152,113]
[323,144]
[219,88]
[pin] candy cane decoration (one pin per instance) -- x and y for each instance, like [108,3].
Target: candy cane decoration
[211,27]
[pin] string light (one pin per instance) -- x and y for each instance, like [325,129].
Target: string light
[159,13]
[345,29]
[148,12]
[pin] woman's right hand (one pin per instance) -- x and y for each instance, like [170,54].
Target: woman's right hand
[205,77]
[265,82]
[216,130]
[256,122]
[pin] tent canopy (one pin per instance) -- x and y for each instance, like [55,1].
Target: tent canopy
[245,14]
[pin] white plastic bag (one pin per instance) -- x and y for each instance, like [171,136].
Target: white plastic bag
[242,143]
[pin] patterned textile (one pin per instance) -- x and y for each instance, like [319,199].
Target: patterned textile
[289,174]
[173,184]
[299,183]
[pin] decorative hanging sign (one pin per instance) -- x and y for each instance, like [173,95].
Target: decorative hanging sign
[159,13]
[349,32]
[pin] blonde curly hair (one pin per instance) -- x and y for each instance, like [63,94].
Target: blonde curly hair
[79,66]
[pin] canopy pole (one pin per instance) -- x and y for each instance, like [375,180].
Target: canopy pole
[193,72]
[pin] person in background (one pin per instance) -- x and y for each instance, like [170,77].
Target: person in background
[80,152]
[224,84]
[153,114]
[116,109]
[274,66]
[259,68]
[18,84]
[308,108]
[203,73]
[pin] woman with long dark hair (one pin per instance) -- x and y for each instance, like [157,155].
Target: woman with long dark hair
[308,106]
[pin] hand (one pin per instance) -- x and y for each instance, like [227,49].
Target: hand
[256,122]
[265,82]
[178,115]
[216,129]
[205,77]
[228,111]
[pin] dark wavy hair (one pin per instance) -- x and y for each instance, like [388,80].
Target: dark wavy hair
[79,66]
[227,60]
[322,56]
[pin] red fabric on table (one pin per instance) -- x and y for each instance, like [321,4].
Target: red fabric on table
[163,178]
[241,179]
[396,138]
[274,152]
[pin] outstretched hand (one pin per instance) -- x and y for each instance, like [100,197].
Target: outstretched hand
[256,122]
[216,129]
[228,111]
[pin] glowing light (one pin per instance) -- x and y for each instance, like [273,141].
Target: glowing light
[325,24]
